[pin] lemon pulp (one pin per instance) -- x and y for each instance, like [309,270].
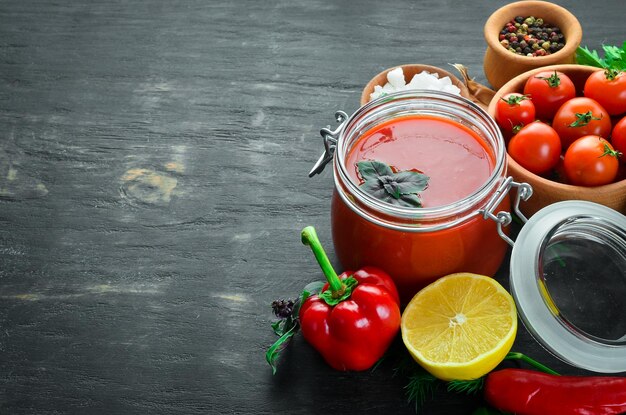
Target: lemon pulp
[460,327]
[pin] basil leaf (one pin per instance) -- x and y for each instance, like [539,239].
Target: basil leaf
[375,188]
[411,200]
[390,185]
[371,169]
[411,181]
[272,354]
[398,189]
[310,289]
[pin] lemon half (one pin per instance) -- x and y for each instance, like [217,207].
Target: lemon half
[460,327]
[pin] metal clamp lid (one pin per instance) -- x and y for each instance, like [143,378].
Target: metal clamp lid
[503,218]
[330,139]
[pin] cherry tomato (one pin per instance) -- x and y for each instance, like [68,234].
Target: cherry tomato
[549,90]
[618,138]
[609,89]
[579,117]
[536,147]
[514,110]
[591,161]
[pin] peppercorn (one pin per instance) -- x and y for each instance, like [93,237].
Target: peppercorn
[529,35]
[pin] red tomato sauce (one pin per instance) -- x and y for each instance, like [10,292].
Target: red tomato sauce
[453,157]
[458,163]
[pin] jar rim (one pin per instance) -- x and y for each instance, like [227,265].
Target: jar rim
[450,209]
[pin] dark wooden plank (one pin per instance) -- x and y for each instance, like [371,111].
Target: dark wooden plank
[153,183]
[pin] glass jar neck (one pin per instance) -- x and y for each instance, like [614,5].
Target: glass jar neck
[426,103]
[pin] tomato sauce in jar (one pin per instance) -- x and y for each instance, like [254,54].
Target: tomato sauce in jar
[460,148]
[453,156]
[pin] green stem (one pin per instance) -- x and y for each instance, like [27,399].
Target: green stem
[309,237]
[532,362]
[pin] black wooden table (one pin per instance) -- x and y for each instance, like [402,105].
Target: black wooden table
[153,184]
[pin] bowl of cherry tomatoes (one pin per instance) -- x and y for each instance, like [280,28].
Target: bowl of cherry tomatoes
[565,130]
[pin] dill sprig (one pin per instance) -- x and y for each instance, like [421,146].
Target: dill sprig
[469,387]
[421,385]
[421,388]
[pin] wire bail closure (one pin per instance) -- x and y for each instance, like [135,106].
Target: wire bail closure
[330,139]
[503,218]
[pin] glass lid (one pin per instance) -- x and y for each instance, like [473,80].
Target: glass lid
[568,278]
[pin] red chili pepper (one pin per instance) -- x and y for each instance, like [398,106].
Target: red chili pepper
[356,316]
[526,392]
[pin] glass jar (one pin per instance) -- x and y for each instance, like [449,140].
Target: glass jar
[418,245]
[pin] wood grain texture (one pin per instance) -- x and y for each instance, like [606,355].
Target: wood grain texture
[153,183]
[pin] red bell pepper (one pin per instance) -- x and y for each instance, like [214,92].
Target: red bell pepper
[355,317]
[526,392]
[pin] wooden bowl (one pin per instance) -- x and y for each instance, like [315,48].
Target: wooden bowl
[410,71]
[546,191]
[501,65]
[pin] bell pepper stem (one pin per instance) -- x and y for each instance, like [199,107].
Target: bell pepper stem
[309,237]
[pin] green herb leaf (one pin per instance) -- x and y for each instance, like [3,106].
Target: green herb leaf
[421,388]
[469,387]
[410,181]
[614,57]
[350,283]
[273,352]
[310,289]
[289,325]
[584,56]
[372,169]
[400,189]
[410,200]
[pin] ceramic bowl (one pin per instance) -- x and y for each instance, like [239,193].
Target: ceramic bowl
[409,71]
[501,65]
[545,191]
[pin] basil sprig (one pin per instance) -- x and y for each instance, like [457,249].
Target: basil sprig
[400,189]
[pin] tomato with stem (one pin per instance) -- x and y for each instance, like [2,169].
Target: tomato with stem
[536,147]
[591,161]
[549,90]
[579,117]
[514,110]
[608,87]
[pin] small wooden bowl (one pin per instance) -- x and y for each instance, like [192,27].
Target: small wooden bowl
[501,65]
[410,71]
[546,192]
